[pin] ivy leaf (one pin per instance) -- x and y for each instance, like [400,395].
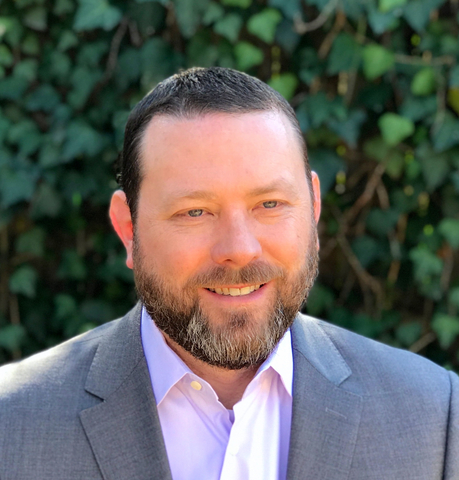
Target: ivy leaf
[263,25]
[44,98]
[213,13]
[26,69]
[237,3]
[320,299]
[423,82]
[289,9]
[449,229]
[32,242]
[345,54]
[229,27]
[82,139]
[381,22]
[395,128]
[408,333]
[36,19]
[426,263]
[376,61]
[381,222]
[72,266]
[417,12]
[447,135]
[12,337]
[326,164]
[158,60]
[453,296]
[13,87]
[83,80]
[92,14]
[388,5]
[349,129]
[6,57]
[454,77]
[46,203]
[26,136]
[24,281]
[416,108]
[435,167]
[247,55]
[16,186]
[285,84]
[366,249]
[189,15]
[447,329]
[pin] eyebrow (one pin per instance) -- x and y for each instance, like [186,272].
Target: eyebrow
[277,185]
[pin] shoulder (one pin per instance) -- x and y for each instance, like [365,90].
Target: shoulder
[375,368]
[62,367]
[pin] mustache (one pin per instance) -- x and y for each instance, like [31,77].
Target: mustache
[254,273]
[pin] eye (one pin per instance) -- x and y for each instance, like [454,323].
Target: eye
[270,204]
[197,212]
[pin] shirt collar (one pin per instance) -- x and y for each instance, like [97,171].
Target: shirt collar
[166,368]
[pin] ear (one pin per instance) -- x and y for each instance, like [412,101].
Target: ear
[316,194]
[317,202]
[120,215]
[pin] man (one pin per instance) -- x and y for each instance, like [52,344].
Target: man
[214,374]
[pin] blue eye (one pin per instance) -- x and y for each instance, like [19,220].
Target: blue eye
[197,212]
[270,204]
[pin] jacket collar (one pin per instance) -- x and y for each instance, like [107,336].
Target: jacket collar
[325,416]
[124,429]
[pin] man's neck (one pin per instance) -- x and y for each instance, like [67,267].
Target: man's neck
[229,385]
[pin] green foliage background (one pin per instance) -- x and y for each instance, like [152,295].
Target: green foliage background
[375,84]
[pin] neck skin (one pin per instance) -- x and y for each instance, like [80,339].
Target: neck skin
[229,385]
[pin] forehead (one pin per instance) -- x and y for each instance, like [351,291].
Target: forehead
[225,150]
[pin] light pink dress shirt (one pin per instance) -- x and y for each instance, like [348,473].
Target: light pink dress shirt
[203,439]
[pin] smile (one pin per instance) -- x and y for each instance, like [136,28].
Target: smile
[235,292]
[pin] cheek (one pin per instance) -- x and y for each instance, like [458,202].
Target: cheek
[172,255]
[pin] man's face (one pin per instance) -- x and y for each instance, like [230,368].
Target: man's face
[225,246]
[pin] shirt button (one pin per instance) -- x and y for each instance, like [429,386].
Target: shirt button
[196,385]
[233,449]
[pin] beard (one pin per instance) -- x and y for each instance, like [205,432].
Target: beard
[239,341]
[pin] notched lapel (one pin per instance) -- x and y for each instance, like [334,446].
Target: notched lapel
[325,417]
[124,430]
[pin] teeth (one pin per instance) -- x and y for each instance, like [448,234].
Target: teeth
[235,292]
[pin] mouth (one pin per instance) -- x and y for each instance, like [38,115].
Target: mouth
[235,292]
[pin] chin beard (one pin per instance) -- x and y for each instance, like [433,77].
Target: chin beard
[239,341]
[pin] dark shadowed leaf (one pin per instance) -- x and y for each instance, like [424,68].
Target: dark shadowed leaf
[24,281]
[229,26]
[189,15]
[326,163]
[345,54]
[93,14]
[449,228]
[446,327]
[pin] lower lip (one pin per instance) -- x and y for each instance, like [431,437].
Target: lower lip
[251,297]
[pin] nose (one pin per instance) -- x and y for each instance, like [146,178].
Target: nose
[235,242]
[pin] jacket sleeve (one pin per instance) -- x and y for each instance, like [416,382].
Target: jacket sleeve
[451,470]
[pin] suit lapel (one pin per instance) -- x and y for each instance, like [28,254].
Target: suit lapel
[124,430]
[325,417]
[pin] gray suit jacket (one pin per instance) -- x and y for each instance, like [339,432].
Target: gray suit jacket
[361,410]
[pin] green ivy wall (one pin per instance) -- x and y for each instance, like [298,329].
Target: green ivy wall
[375,84]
